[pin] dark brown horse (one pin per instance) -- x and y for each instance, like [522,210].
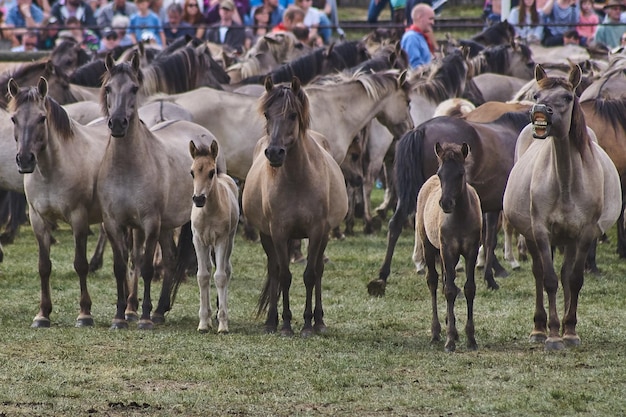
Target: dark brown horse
[448,223]
[493,146]
[294,190]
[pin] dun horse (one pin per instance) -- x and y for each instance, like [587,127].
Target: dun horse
[448,223]
[60,160]
[294,190]
[214,218]
[143,184]
[563,190]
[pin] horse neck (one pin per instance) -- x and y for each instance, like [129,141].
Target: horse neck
[300,158]
[132,145]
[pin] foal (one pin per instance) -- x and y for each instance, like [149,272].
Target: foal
[214,218]
[448,223]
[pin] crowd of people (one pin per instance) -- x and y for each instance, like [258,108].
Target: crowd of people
[101,25]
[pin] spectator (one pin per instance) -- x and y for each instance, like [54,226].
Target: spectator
[376,7]
[113,8]
[291,18]
[276,12]
[419,41]
[559,17]
[326,18]
[64,9]
[610,32]
[110,40]
[44,5]
[29,42]
[22,16]
[312,21]
[85,37]
[527,22]
[212,13]
[175,27]
[260,26]
[589,21]
[157,7]
[193,16]
[571,37]
[623,40]
[492,12]
[227,31]
[48,34]
[120,24]
[146,22]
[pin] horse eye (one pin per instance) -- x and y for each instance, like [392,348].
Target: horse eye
[265,115]
[135,89]
[569,98]
[211,174]
[293,116]
[107,89]
[13,120]
[42,119]
[535,97]
[192,176]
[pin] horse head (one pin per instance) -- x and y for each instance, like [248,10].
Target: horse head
[203,170]
[451,173]
[286,111]
[118,95]
[29,122]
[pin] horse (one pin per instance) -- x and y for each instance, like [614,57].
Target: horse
[132,198]
[290,166]
[501,33]
[339,110]
[69,55]
[448,223]
[512,59]
[493,147]
[59,160]
[563,190]
[214,219]
[320,61]
[269,52]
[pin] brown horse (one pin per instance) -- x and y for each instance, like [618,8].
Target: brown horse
[493,147]
[563,190]
[448,223]
[294,190]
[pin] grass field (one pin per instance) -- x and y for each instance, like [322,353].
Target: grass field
[375,360]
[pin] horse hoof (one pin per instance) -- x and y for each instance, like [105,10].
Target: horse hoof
[119,325]
[571,340]
[286,332]
[450,347]
[554,343]
[131,316]
[270,329]
[306,332]
[502,273]
[223,331]
[320,328]
[40,323]
[472,345]
[376,288]
[300,259]
[537,337]
[493,285]
[158,318]
[145,324]
[86,321]
[204,330]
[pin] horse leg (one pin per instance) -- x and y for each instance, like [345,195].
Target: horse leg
[621,233]
[17,216]
[132,301]
[168,262]
[574,277]
[149,242]
[117,238]
[491,229]
[539,332]
[432,279]
[449,260]
[418,251]
[509,231]
[590,259]
[223,271]
[203,276]
[98,254]
[42,233]
[470,293]
[281,246]
[270,291]
[81,266]
[313,281]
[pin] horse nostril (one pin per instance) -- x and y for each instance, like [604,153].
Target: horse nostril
[199,200]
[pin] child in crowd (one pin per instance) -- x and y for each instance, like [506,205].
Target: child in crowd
[588,22]
[145,23]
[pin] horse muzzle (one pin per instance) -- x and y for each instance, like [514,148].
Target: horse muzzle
[275,155]
[541,118]
[199,200]
[447,206]
[118,127]
[25,163]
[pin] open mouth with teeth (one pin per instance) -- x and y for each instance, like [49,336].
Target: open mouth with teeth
[541,120]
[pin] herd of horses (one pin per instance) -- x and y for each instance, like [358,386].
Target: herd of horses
[289,140]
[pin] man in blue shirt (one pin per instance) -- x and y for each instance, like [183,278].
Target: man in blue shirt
[22,16]
[419,41]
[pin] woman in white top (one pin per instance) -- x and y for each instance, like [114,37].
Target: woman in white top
[311,20]
[527,21]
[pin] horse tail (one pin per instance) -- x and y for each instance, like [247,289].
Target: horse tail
[264,298]
[184,250]
[408,169]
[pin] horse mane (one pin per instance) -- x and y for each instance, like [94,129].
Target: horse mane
[612,111]
[376,84]
[451,151]
[445,81]
[90,74]
[71,45]
[385,58]
[496,58]
[204,150]
[42,68]
[122,68]
[290,101]
[578,128]
[56,115]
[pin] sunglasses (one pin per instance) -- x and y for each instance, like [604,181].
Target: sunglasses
[192,5]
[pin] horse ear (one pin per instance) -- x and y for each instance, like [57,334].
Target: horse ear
[215,148]
[329,50]
[295,84]
[269,84]
[49,67]
[13,88]
[575,75]
[402,78]
[193,150]
[269,39]
[135,62]
[109,62]
[438,149]
[540,73]
[42,87]
[465,150]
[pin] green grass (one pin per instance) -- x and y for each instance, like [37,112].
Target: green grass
[376,358]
